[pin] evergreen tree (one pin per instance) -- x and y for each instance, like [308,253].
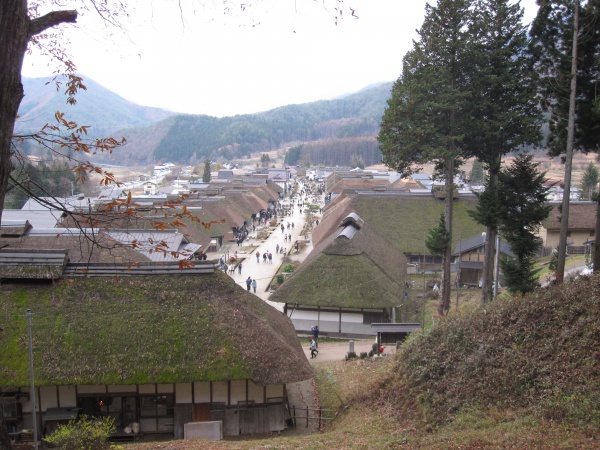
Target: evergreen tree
[589,181]
[476,176]
[438,240]
[522,195]
[556,58]
[206,176]
[504,110]
[426,116]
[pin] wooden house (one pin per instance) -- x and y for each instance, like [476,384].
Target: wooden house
[469,256]
[152,345]
[350,280]
[580,232]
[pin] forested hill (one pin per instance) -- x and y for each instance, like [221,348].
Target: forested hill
[195,137]
[103,110]
[333,130]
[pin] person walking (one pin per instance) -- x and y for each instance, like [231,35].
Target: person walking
[248,283]
[277,248]
[313,349]
[240,268]
[315,333]
[254,285]
[257,256]
[270,258]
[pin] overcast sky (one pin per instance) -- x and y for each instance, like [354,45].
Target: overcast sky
[274,53]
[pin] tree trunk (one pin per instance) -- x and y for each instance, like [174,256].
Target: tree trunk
[444,305]
[16,30]
[597,233]
[491,232]
[564,221]
[14,36]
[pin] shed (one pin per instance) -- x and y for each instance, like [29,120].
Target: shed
[392,333]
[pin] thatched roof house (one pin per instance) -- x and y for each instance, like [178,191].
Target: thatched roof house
[581,230]
[349,280]
[161,350]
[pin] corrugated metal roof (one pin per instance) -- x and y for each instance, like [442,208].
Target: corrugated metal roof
[138,269]
[156,245]
[32,263]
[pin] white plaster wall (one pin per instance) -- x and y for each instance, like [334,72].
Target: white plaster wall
[183,393]
[275,390]
[220,391]
[238,391]
[255,392]
[147,389]
[329,316]
[92,389]
[67,396]
[48,397]
[352,317]
[202,392]
[302,315]
[165,388]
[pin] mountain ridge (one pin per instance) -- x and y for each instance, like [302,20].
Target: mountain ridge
[155,134]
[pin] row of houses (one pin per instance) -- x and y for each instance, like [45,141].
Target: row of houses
[122,329]
[373,233]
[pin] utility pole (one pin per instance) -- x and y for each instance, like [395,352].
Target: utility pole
[564,223]
[31,380]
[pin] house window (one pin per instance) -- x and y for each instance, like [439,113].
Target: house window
[122,409]
[157,406]
[9,407]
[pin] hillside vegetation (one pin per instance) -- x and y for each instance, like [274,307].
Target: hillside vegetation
[522,373]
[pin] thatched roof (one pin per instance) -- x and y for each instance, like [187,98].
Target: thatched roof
[404,220]
[139,330]
[355,267]
[97,246]
[582,216]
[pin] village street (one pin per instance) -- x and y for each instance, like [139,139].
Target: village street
[263,273]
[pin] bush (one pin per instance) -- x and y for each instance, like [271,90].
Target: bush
[280,278]
[83,434]
[288,268]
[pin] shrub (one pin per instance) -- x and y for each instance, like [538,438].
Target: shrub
[280,278]
[288,268]
[83,434]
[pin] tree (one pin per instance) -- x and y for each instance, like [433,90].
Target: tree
[522,195]
[589,181]
[566,44]
[357,161]
[504,111]
[425,119]
[476,175]
[438,240]
[206,175]
[264,160]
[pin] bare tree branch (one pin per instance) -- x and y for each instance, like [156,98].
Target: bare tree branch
[50,20]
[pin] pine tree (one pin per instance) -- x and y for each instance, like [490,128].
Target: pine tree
[522,195]
[476,176]
[438,240]
[589,181]
[426,115]
[552,36]
[504,110]
[206,176]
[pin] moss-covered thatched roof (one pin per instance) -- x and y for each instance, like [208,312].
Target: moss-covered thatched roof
[138,330]
[405,220]
[582,216]
[358,272]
